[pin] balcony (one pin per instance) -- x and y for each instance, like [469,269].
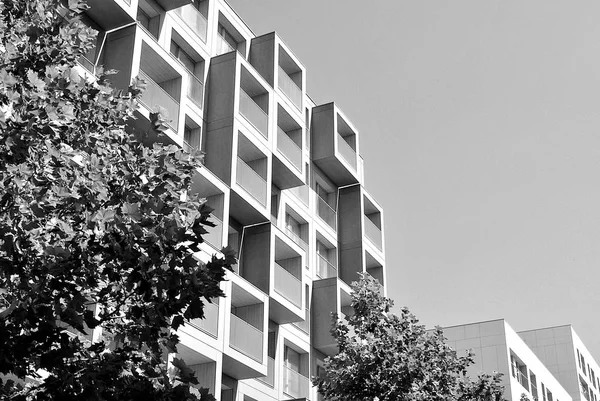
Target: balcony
[223,46]
[245,338]
[326,213]
[210,323]
[295,384]
[194,20]
[346,151]
[289,149]
[195,90]
[287,285]
[254,114]
[269,379]
[215,234]
[252,182]
[373,233]
[325,269]
[290,88]
[301,193]
[155,96]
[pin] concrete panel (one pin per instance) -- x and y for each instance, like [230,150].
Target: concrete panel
[262,56]
[492,328]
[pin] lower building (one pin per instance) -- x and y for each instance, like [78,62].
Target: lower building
[498,348]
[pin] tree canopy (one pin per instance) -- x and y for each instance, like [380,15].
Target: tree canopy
[96,229]
[388,357]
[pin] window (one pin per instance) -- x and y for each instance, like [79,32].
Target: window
[544,392]
[533,380]
[519,371]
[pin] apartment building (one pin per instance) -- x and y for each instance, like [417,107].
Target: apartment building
[498,348]
[566,356]
[284,177]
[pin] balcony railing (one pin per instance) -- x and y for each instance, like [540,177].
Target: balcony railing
[289,149]
[326,213]
[301,193]
[269,379]
[245,338]
[154,96]
[215,234]
[373,232]
[195,90]
[287,285]
[253,183]
[193,19]
[346,151]
[290,88]
[295,384]
[296,238]
[325,269]
[304,325]
[223,46]
[210,323]
[254,114]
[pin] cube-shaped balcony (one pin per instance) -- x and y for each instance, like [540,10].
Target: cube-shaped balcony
[274,264]
[279,66]
[295,381]
[245,340]
[334,143]
[228,37]
[360,220]
[328,296]
[288,162]
[253,103]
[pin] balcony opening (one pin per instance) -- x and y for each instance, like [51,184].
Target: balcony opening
[302,192]
[204,368]
[374,268]
[275,201]
[290,78]
[372,222]
[228,38]
[228,388]
[148,17]
[215,198]
[296,228]
[295,371]
[326,258]
[346,142]
[289,138]
[345,305]
[288,272]
[518,370]
[326,209]
[251,173]
[192,135]
[246,323]
[194,65]
[254,103]
[163,85]
[195,16]
[95,56]
[304,325]
[533,380]
[585,390]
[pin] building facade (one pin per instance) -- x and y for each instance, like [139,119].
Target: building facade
[284,177]
[498,348]
[566,356]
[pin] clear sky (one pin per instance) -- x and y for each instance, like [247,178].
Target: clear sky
[479,124]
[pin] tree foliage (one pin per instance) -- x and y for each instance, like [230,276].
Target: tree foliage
[388,357]
[90,220]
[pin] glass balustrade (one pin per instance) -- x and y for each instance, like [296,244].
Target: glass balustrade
[194,20]
[301,193]
[326,213]
[210,323]
[289,148]
[253,183]
[245,338]
[346,151]
[287,285]
[290,88]
[296,238]
[155,96]
[195,90]
[325,269]
[304,325]
[223,46]
[294,383]
[373,233]
[254,114]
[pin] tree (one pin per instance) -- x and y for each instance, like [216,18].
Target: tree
[96,229]
[386,357]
